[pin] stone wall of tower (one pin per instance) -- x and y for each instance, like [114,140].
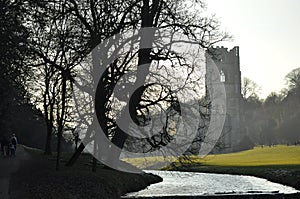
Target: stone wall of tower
[228,64]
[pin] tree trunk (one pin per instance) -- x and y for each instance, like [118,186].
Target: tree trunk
[48,150]
[48,120]
[76,155]
[147,16]
[94,166]
[61,119]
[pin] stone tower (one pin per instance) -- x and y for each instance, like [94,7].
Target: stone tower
[228,64]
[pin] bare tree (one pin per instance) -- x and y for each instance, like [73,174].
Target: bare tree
[163,14]
[74,28]
[51,41]
[250,89]
[293,81]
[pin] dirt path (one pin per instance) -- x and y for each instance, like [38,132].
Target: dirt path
[9,166]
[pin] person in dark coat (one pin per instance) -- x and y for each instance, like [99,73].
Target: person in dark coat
[2,145]
[5,143]
[13,143]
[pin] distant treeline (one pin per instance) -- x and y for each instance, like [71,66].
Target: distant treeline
[274,120]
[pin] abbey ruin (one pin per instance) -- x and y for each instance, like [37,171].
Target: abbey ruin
[228,65]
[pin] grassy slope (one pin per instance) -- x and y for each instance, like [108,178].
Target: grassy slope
[279,164]
[37,178]
[277,155]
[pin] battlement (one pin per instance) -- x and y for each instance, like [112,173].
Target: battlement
[223,54]
[224,49]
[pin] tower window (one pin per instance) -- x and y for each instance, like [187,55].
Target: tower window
[222,76]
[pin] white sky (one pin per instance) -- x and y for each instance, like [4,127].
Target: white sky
[268,33]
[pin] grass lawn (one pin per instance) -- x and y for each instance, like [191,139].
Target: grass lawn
[37,178]
[277,163]
[259,156]
[275,155]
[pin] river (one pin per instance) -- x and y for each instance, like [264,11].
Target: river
[203,184]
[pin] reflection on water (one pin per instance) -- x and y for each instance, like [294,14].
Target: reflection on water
[197,184]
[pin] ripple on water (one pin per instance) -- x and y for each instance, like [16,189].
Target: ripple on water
[197,184]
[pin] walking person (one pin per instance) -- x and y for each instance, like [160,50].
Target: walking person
[5,143]
[13,143]
[2,145]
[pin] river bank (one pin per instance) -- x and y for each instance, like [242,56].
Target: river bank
[280,164]
[36,178]
[284,174]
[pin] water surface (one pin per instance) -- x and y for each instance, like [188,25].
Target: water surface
[177,183]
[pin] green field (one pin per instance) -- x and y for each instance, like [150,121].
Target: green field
[275,155]
[259,156]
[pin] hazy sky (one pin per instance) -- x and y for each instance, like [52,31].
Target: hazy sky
[268,33]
